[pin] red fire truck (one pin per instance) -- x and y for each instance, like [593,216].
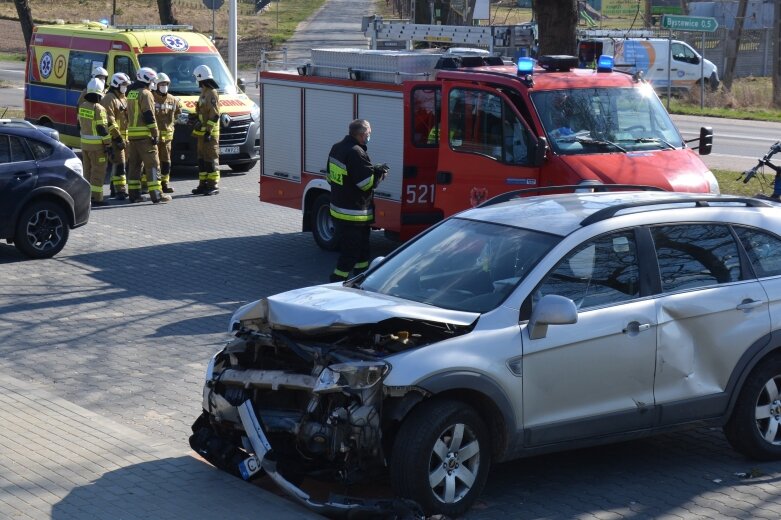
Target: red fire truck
[457,128]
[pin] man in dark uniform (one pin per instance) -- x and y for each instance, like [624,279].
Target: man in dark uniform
[353,178]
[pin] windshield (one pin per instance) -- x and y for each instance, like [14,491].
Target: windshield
[605,120]
[179,68]
[462,265]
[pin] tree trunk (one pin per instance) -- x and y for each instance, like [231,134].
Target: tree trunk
[733,45]
[557,21]
[25,18]
[777,55]
[166,9]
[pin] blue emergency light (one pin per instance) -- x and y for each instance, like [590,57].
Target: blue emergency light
[525,66]
[605,63]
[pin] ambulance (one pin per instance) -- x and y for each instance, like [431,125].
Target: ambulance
[61,57]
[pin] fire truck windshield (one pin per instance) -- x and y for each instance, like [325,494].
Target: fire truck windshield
[605,120]
[179,68]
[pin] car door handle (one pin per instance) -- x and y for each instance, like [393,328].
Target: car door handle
[23,175]
[749,304]
[635,327]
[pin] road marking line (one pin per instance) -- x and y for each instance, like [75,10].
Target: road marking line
[12,70]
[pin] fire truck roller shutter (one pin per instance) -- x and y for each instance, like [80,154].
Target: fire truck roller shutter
[328,115]
[281,131]
[386,115]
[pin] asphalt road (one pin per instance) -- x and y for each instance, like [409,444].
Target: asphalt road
[11,85]
[123,321]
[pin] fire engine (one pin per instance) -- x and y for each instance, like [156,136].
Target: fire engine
[461,126]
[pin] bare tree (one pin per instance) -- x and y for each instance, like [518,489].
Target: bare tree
[733,45]
[166,9]
[777,55]
[557,22]
[25,18]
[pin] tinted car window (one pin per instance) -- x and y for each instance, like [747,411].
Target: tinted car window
[695,255]
[19,151]
[40,150]
[764,251]
[600,272]
[5,149]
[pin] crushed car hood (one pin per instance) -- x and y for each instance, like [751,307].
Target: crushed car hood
[313,309]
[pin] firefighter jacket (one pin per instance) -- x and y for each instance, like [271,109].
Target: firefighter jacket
[94,126]
[141,122]
[115,104]
[353,179]
[167,109]
[208,110]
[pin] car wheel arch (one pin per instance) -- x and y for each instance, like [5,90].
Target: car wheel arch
[48,193]
[765,347]
[484,395]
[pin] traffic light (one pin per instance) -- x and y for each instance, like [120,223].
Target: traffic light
[260,4]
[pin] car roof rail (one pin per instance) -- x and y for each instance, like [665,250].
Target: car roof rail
[699,202]
[15,121]
[567,188]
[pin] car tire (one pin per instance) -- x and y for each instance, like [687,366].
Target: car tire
[42,230]
[713,82]
[428,468]
[242,167]
[322,225]
[754,428]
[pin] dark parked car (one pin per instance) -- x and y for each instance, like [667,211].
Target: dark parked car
[43,193]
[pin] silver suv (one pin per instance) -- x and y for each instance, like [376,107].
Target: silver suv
[525,326]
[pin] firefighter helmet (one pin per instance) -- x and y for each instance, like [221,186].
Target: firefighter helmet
[146,75]
[162,78]
[202,73]
[95,86]
[120,78]
[99,71]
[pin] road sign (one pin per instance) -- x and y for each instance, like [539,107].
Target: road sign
[689,23]
[213,4]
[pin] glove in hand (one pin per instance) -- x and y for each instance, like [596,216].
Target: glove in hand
[155,140]
[119,143]
[207,136]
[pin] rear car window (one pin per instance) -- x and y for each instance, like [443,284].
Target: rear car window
[763,249]
[40,150]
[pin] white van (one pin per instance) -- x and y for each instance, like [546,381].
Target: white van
[652,57]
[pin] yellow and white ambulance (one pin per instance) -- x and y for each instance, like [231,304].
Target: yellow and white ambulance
[60,62]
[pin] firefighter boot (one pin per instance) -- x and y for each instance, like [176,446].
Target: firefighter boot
[119,181]
[135,196]
[144,184]
[211,188]
[159,198]
[166,177]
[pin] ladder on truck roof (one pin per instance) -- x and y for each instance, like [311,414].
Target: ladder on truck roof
[490,36]
[616,34]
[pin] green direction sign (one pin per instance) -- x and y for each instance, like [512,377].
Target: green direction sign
[689,23]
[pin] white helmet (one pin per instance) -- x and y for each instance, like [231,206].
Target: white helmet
[120,78]
[95,86]
[99,71]
[146,75]
[162,78]
[202,72]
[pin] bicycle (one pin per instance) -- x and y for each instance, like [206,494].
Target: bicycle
[765,161]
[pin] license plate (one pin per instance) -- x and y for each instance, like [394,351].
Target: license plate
[227,150]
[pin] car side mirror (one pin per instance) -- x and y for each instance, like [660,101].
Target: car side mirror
[539,151]
[706,140]
[552,309]
[241,84]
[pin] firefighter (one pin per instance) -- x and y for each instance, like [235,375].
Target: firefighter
[167,110]
[353,178]
[95,139]
[115,104]
[142,138]
[207,131]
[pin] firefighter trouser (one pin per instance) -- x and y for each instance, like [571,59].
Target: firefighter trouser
[353,249]
[117,166]
[164,152]
[95,171]
[142,154]
[208,161]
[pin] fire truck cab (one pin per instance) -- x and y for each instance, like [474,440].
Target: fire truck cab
[458,128]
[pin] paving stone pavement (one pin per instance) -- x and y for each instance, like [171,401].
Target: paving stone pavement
[123,321]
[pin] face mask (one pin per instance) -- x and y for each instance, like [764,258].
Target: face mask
[163,89]
[368,138]
[123,88]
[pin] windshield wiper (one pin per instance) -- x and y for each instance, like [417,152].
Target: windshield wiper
[597,142]
[654,140]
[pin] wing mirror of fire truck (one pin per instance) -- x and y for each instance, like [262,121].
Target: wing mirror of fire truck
[539,151]
[241,84]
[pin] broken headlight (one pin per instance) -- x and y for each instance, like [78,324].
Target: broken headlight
[358,375]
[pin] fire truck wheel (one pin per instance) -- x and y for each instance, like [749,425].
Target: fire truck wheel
[323,229]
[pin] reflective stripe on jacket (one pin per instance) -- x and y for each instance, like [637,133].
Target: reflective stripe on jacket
[167,109]
[352,180]
[208,110]
[139,101]
[91,117]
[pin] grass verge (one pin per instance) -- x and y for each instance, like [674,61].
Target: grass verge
[12,56]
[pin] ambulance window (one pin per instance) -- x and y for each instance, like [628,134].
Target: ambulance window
[80,65]
[125,64]
[425,116]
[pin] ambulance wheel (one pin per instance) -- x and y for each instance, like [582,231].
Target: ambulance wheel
[323,229]
[242,167]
